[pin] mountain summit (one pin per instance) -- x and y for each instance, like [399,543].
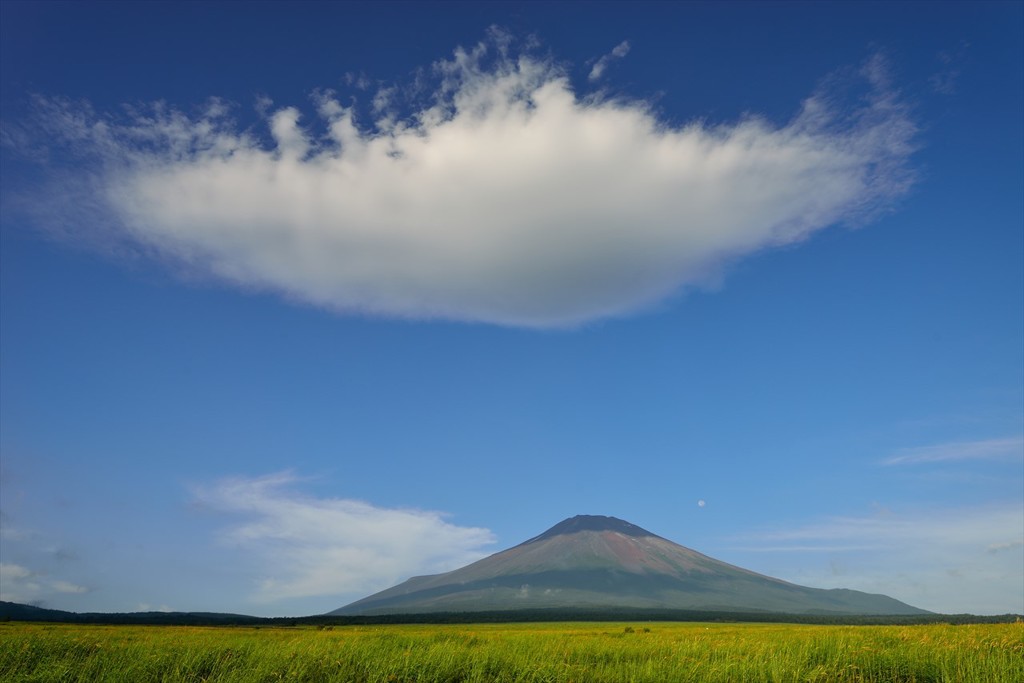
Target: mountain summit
[591,523]
[597,562]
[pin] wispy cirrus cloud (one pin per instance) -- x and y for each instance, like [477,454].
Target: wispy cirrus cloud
[147,607]
[309,546]
[22,584]
[1000,547]
[953,559]
[498,194]
[977,526]
[601,65]
[960,450]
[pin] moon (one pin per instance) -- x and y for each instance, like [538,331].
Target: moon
[701,503]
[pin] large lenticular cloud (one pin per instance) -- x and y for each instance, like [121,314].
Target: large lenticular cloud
[506,199]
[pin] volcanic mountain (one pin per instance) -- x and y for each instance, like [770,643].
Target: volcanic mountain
[595,562]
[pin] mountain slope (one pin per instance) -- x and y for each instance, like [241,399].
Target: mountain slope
[592,561]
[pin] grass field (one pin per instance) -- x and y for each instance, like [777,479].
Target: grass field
[655,652]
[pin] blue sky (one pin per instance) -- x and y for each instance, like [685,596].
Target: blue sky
[301,300]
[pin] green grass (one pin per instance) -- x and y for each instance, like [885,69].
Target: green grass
[561,652]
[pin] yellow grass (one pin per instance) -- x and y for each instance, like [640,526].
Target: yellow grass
[554,653]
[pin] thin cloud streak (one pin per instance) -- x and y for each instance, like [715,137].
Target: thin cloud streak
[954,525]
[502,196]
[961,450]
[999,547]
[807,548]
[310,546]
[597,71]
[963,559]
[22,584]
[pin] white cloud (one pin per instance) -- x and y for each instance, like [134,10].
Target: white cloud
[13,572]
[311,546]
[961,450]
[502,197]
[146,607]
[601,65]
[21,584]
[998,547]
[962,526]
[946,560]
[68,587]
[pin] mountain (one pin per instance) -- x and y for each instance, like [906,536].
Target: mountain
[597,562]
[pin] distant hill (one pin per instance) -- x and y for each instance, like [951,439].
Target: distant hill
[592,562]
[14,611]
[17,612]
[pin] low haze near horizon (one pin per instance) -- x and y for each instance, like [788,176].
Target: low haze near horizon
[300,300]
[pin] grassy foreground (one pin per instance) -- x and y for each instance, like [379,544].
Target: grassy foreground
[561,652]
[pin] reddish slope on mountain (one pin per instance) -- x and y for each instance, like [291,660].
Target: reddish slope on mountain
[597,562]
